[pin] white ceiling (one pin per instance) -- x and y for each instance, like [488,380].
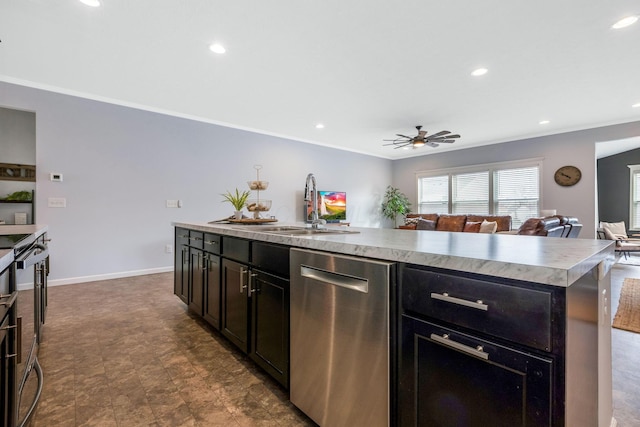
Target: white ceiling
[365,69]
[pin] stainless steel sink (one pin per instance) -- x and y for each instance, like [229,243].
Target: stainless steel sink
[312,232]
[289,230]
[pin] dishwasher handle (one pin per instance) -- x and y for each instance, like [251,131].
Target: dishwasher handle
[333,278]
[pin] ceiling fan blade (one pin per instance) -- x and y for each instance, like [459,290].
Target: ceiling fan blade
[446,141]
[404,136]
[442,132]
[431,144]
[452,136]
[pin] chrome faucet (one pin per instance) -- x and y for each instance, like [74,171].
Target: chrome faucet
[311,195]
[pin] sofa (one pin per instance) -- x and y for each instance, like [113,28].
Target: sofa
[460,223]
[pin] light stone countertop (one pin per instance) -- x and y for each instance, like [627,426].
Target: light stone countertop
[547,260]
[6,255]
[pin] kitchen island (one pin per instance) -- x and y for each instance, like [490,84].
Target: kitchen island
[562,286]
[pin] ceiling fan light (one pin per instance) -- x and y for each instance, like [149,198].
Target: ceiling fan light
[418,143]
[625,22]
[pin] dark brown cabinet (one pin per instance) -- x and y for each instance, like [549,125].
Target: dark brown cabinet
[255,302]
[270,325]
[456,379]
[212,289]
[181,264]
[476,352]
[196,285]
[240,287]
[235,303]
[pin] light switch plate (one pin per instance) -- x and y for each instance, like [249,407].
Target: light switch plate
[172,203]
[57,202]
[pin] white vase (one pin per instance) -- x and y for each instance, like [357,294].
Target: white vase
[237,214]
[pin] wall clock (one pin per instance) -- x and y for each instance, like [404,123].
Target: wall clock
[567,176]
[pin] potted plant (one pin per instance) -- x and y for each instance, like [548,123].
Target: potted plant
[395,203]
[237,200]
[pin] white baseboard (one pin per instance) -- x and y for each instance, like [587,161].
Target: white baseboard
[108,276]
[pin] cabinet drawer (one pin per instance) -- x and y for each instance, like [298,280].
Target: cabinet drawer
[182,237]
[234,248]
[506,311]
[195,239]
[271,258]
[212,243]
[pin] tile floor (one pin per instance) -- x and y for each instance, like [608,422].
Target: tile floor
[125,352]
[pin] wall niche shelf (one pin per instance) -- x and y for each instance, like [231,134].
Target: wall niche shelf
[15,172]
[26,202]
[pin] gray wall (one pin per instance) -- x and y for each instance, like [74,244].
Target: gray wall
[120,165]
[614,186]
[571,148]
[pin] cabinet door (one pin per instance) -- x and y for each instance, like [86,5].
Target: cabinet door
[181,265]
[448,378]
[212,290]
[196,281]
[235,303]
[270,324]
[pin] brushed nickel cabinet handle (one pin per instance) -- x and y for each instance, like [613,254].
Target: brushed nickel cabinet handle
[242,273]
[478,304]
[252,282]
[478,351]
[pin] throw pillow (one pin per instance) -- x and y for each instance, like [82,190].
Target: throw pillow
[425,224]
[489,227]
[472,227]
[411,221]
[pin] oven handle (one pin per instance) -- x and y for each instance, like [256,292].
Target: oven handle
[31,257]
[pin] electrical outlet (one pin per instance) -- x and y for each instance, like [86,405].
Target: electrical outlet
[168,248]
[172,203]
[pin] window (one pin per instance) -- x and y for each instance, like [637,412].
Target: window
[634,215]
[433,194]
[495,189]
[516,193]
[470,193]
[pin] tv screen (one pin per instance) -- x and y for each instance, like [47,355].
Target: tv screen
[332,206]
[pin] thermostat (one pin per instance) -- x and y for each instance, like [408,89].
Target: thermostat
[55,177]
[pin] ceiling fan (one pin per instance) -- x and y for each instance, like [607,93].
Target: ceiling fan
[404,141]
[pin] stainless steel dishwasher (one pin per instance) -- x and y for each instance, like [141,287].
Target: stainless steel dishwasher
[340,337]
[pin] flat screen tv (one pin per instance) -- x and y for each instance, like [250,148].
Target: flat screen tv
[332,206]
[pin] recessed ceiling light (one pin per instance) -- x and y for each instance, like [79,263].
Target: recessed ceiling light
[636,105]
[625,22]
[217,48]
[479,72]
[92,3]
[544,122]
[319,126]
